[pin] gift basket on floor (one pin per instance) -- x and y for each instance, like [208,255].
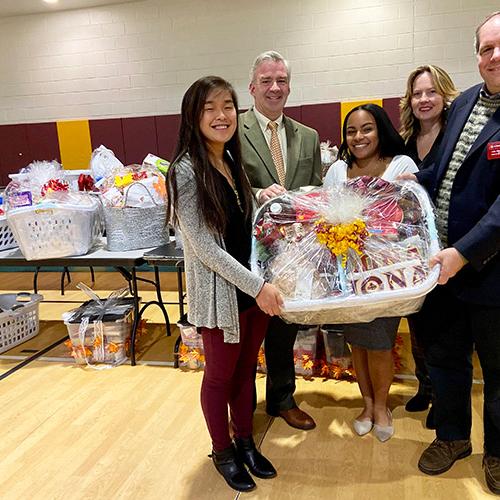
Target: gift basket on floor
[350,253]
[190,352]
[47,218]
[18,318]
[99,330]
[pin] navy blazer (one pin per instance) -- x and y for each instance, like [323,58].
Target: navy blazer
[474,212]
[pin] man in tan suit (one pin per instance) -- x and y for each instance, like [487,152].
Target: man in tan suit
[279,154]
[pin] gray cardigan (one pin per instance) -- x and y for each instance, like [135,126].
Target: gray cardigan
[211,273]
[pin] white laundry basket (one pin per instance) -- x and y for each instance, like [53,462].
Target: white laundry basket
[50,230]
[19,319]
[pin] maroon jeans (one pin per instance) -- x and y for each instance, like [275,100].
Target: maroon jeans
[229,378]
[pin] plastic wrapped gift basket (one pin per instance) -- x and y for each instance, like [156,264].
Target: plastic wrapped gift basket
[100,329]
[348,254]
[134,200]
[47,219]
[19,319]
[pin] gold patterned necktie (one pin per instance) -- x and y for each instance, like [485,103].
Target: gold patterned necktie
[276,153]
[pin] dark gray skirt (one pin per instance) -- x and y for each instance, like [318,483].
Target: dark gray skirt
[377,335]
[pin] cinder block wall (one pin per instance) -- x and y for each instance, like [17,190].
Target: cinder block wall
[118,72]
[137,59]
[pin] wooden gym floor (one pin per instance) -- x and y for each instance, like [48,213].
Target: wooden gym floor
[138,432]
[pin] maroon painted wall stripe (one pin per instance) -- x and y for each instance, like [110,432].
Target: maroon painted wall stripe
[139,138]
[167,133]
[109,133]
[391,105]
[132,139]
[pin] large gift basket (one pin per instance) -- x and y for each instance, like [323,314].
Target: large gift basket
[347,254]
[100,329]
[47,218]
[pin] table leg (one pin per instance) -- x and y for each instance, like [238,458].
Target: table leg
[35,279]
[180,291]
[176,351]
[137,315]
[160,299]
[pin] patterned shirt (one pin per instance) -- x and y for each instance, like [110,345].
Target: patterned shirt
[483,110]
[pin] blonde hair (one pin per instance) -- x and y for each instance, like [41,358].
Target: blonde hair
[443,84]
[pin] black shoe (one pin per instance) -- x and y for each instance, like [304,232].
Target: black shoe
[232,470]
[419,402]
[429,421]
[258,464]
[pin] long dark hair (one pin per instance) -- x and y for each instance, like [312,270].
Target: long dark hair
[192,142]
[390,142]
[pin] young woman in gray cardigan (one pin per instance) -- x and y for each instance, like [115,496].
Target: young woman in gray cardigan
[210,200]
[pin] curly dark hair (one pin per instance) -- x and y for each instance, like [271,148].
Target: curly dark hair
[390,142]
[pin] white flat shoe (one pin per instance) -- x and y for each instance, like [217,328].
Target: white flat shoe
[362,427]
[384,432]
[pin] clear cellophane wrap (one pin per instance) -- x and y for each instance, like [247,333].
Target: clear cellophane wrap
[348,254]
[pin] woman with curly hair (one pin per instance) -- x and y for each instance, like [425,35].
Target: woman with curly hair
[371,146]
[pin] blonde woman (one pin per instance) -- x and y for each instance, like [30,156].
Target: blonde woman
[429,93]
[423,110]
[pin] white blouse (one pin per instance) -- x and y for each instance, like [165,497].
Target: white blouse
[400,164]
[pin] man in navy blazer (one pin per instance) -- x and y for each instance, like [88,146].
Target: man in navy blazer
[301,158]
[465,311]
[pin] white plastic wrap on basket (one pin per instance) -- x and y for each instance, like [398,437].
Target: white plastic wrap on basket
[61,225]
[7,239]
[350,253]
[100,329]
[133,227]
[18,318]
[189,334]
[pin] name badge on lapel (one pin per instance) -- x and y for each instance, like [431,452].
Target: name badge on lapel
[493,149]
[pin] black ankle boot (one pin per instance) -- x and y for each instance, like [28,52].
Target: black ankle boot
[232,470]
[419,402]
[258,464]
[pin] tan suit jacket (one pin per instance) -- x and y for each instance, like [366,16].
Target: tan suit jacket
[303,166]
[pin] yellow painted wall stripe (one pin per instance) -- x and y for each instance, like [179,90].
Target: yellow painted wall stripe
[345,107]
[74,144]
